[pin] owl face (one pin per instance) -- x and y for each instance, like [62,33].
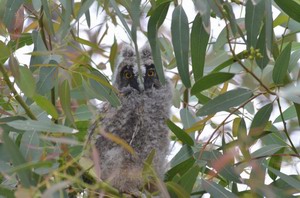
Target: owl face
[127,74]
[128,78]
[150,77]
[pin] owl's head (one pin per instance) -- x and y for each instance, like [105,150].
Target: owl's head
[126,75]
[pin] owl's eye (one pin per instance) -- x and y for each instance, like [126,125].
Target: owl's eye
[151,73]
[128,75]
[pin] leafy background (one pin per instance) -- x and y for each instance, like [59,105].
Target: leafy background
[236,98]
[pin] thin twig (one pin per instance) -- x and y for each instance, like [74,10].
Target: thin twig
[223,122]
[15,93]
[285,127]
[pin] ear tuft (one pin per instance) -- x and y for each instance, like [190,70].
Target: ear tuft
[127,51]
[146,52]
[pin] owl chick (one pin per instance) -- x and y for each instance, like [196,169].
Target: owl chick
[140,121]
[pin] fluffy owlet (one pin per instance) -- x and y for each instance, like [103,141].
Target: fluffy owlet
[140,121]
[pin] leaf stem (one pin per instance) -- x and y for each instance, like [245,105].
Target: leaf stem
[15,93]
[285,127]
[224,121]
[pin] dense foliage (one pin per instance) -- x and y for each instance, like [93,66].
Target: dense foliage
[236,93]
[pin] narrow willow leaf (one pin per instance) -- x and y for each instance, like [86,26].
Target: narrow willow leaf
[216,190]
[46,105]
[104,91]
[183,154]
[267,150]
[156,20]
[65,100]
[119,14]
[187,119]
[210,80]
[291,7]
[4,52]
[6,192]
[287,178]
[48,16]
[180,168]
[66,12]
[17,159]
[85,6]
[297,106]
[198,51]
[268,23]
[288,114]
[275,162]
[231,17]
[135,16]
[261,45]
[29,146]
[180,134]
[235,126]
[113,54]
[11,8]
[242,139]
[47,78]
[177,189]
[26,82]
[33,125]
[225,101]
[180,41]
[281,65]
[260,120]
[188,180]
[254,16]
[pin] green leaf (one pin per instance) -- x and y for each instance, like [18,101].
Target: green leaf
[26,82]
[275,162]
[180,168]
[113,54]
[242,139]
[188,180]
[157,18]
[104,91]
[29,146]
[255,11]
[25,175]
[216,190]
[291,7]
[281,65]
[261,45]
[267,150]
[65,100]
[11,8]
[209,81]
[187,118]
[288,179]
[198,52]
[4,52]
[47,78]
[260,120]
[85,6]
[180,41]
[180,134]
[6,192]
[33,125]
[46,105]
[288,114]
[225,101]
[297,106]
[119,14]
[48,16]
[177,189]
[183,154]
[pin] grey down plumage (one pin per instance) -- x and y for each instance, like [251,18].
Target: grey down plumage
[139,120]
